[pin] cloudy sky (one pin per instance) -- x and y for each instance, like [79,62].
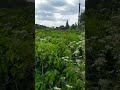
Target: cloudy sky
[57,12]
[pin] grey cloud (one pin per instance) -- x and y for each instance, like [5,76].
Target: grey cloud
[46,7]
[43,13]
[57,3]
[47,18]
[46,10]
[50,17]
[70,10]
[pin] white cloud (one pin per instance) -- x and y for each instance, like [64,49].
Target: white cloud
[57,12]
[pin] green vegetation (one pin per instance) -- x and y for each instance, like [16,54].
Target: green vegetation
[102,44]
[17,48]
[60,60]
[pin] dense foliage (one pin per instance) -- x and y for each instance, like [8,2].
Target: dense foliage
[103,45]
[60,60]
[17,48]
[13,3]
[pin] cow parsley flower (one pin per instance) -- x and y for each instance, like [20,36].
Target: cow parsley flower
[63,78]
[69,86]
[56,88]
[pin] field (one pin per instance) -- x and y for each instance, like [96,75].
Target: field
[59,60]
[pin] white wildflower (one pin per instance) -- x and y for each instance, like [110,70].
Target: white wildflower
[63,78]
[76,52]
[65,59]
[77,60]
[69,86]
[79,42]
[74,41]
[72,46]
[56,88]
[43,39]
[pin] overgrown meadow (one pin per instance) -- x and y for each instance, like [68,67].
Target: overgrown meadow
[59,60]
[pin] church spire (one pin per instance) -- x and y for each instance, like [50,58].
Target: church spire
[79,14]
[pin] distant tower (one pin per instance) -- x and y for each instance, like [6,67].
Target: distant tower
[79,14]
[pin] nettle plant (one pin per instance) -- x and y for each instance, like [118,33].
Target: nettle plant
[59,62]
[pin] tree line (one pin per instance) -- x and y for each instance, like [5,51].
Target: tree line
[66,26]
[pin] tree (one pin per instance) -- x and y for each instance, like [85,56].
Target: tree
[83,16]
[67,25]
[12,3]
[73,26]
[62,27]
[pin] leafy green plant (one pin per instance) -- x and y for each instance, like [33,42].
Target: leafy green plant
[60,60]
